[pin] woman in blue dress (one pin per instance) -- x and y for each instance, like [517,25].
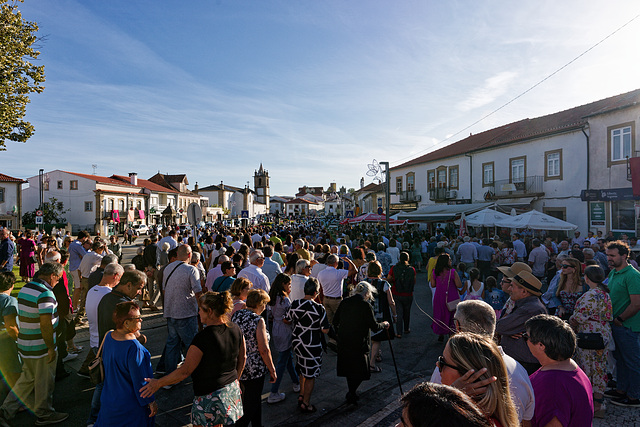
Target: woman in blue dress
[126,365]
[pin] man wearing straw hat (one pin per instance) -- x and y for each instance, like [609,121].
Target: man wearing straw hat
[525,293]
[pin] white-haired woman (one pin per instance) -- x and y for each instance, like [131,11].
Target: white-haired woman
[353,321]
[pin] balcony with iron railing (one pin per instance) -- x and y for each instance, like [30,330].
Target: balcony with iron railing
[409,196]
[531,186]
[442,194]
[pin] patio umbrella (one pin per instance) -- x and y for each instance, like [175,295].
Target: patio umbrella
[536,221]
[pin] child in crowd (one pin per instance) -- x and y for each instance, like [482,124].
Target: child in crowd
[494,296]
[475,288]
[464,277]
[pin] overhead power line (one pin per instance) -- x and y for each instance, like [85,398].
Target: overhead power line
[521,94]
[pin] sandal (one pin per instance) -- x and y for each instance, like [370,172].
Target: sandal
[76,349]
[308,409]
[375,369]
[300,399]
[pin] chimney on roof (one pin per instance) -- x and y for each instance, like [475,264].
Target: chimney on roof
[133,177]
[221,185]
[361,182]
[195,188]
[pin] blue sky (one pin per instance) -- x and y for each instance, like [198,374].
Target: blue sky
[312,89]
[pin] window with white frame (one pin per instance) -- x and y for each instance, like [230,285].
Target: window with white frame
[88,206]
[453,177]
[517,170]
[399,185]
[487,174]
[1,195]
[431,179]
[553,164]
[620,143]
[442,178]
[411,182]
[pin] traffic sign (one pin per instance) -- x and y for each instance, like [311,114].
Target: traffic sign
[348,214]
[194,214]
[39,220]
[379,202]
[38,212]
[244,214]
[380,211]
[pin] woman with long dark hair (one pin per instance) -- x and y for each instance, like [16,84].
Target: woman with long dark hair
[592,313]
[446,285]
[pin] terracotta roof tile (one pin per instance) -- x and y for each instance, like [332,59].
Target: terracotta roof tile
[145,184]
[7,178]
[103,179]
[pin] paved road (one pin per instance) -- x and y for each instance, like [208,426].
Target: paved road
[415,356]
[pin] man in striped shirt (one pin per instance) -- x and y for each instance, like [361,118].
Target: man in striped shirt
[38,316]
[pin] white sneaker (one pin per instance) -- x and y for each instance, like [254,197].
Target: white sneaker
[69,356]
[296,388]
[275,397]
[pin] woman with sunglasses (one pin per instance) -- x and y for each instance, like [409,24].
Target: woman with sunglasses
[570,287]
[127,365]
[593,313]
[466,352]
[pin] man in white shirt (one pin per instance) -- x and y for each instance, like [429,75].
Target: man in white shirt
[110,279]
[90,263]
[331,281]
[478,317]
[253,272]
[303,271]
[170,239]
[394,251]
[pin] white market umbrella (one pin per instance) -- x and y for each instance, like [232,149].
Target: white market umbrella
[485,218]
[536,221]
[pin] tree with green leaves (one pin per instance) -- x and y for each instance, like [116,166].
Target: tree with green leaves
[20,76]
[52,213]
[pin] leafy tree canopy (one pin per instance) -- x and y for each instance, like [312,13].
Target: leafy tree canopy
[19,76]
[52,212]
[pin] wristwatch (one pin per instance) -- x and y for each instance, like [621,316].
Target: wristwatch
[619,319]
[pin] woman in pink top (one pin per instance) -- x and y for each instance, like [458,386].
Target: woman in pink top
[562,390]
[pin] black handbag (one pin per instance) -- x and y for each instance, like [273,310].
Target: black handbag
[96,368]
[590,341]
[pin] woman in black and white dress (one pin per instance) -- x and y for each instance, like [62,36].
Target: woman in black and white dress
[309,320]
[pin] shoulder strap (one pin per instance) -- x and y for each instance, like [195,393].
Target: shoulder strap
[171,274]
[102,343]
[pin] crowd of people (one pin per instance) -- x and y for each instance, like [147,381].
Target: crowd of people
[529,323]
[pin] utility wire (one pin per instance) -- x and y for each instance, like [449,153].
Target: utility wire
[523,93]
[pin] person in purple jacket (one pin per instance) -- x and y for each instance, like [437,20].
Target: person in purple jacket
[561,389]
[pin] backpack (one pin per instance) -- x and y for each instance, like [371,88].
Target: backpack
[404,278]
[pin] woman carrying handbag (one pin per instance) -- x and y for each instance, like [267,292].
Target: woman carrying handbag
[447,288]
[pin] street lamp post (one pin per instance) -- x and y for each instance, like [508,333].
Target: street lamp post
[387,195]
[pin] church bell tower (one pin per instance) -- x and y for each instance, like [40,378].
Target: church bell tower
[261,185]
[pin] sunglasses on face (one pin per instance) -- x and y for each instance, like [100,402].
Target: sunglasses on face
[441,364]
[567,266]
[525,336]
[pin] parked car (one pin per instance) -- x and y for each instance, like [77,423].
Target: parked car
[140,229]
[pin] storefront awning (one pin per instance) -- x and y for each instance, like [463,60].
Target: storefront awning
[438,213]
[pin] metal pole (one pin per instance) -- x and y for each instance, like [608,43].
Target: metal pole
[41,189]
[387,195]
